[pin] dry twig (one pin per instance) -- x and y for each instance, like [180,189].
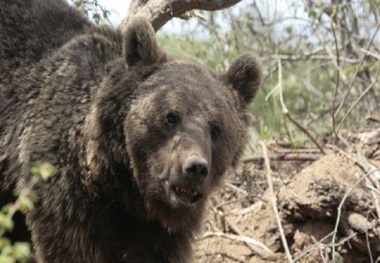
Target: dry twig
[340,208]
[256,246]
[282,157]
[259,248]
[337,82]
[274,203]
[285,110]
[357,101]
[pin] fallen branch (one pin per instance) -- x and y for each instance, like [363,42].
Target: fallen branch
[259,248]
[282,157]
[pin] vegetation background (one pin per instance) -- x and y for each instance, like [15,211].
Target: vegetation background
[321,59]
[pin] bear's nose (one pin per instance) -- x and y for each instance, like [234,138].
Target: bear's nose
[195,166]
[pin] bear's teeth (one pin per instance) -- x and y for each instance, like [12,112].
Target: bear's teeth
[186,195]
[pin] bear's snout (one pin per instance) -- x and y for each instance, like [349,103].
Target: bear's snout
[195,167]
[188,185]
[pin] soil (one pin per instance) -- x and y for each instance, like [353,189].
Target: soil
[328,206]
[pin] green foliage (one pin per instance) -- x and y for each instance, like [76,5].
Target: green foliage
[93,10]
[268,118]
[246,179]
[12,253]
[20,251]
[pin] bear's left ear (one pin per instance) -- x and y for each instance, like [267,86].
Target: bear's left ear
[140,45]
[244,75]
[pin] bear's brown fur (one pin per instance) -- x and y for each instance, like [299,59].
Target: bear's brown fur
[139,140]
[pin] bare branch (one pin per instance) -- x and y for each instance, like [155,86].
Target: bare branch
[356,74]
[356,102]
[161,11]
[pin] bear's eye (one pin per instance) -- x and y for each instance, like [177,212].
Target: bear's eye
[172,119]
[215,132]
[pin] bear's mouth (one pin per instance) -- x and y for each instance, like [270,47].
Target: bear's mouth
[186,196]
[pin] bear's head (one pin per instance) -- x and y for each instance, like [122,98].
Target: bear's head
[179,125]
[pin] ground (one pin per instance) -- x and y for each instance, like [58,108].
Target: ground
[314,195]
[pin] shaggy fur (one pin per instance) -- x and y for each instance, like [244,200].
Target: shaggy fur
[139,140]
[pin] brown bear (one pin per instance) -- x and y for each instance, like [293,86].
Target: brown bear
[139,140]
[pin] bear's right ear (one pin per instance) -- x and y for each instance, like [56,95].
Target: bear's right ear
[140,45]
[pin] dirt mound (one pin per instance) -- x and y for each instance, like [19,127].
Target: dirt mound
[327,206]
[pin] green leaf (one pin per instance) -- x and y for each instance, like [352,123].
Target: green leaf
[46,171]
[25,204]
[6,259]
[6,222]
[21,251]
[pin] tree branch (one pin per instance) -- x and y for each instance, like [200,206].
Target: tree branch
[161,11]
